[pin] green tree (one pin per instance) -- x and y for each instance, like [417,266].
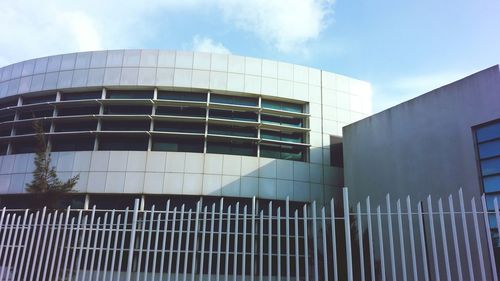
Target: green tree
[45,179]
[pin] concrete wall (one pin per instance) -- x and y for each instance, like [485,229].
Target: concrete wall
[422,146]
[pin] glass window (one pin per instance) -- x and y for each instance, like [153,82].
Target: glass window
[233,115]
[81,96]
[181,111]
[336,152]
[491,183]
[35,114]
[125,125]
[283,152]
[39,99]
[5,132]
[86,125]
[232,131]
[177,144]
[72,143]
[280,105]
[179,127]
[114,201]
[234,148]
[227,99]
[490,166]
[282,136]
[281,120]
[488,132]
[490,201]
[489,149]
[129,94]
[8,103]
[81,110]
[182,96]
[139,143]
[26,129]
[6,116]
[23,146]
[3,148]
[127,110]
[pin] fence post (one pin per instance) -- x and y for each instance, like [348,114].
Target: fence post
[128,276]
[347,226]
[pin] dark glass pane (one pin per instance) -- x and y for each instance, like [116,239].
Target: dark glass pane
[3,148]
[232,131]
[35,114]
[129,94]
[177,144]
[279,105]
[215,98]
[115,201]
[23,146]
[283,152]
[489,201]
[281,136]
[127,110]
[182,96]
[270,151]
[27,129]
[248,149]
[295,122]
[488,132]
[139,143]
[179,127]
[8,103]
[73,111]
[491,183]
[490,166]
[489,149]
[81,96]
[336,152]
[125,125]
[76,126]
[6,116]
[39,99]
[181,111]
[73,143]
[233,115]
[5,132]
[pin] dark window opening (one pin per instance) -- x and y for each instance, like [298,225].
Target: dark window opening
[5,132]
[74,111]
[336,152]
[23,146]
[281,120]
[81,96]
[177,144]
[232,131]
[129,94]
[27,129]
[139,143]
[234,148]
[127,110]
[125,125]
[35,114]
[72,143]
[282,136]
[39,99]
[227,99]
[90,125]
[182,96]
[114,201]
[233,115]
[286,152]
[6,116]
[281,105]
[8,103]
[181,111]
[3,148]
[181,127]
[27,201]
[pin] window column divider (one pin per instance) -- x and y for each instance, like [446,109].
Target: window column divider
[206,123]
[258,126]
[101,112]
[151,124]
[13,129]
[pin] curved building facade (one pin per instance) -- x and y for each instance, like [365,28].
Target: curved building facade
[179,123]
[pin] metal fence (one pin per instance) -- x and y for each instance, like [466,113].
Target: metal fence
[239,242]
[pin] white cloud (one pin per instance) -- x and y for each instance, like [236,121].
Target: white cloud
[286,24]
[206,44]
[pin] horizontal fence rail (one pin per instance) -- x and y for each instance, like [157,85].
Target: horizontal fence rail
[233,242]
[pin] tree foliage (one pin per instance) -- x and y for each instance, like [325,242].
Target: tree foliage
[45,179]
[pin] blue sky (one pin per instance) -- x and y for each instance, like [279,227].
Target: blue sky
[403,48]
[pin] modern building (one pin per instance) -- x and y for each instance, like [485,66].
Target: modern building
[149,123]
[433,144]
